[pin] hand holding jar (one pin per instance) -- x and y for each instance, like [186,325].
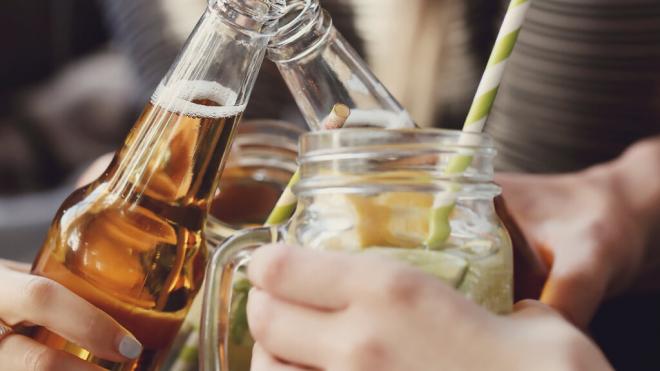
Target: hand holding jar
[596,228]
[380,314]
[369,192]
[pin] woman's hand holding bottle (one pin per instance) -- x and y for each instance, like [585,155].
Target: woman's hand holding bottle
[32,300]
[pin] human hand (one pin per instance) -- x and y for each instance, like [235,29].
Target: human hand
[94,170]
[591,239]
[335,312]
[31,300]
[15,266]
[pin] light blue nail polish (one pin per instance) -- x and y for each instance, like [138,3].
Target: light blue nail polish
[129,347]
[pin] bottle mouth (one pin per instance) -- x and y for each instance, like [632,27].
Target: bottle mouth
[255,15]
[303,28]
[294,13]
[419,159]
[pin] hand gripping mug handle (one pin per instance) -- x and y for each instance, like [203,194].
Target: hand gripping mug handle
[225,260]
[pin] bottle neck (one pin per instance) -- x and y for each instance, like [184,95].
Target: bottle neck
[174,156]
[179,144]
[321,69]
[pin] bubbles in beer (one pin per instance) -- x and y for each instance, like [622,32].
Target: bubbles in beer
[182,97]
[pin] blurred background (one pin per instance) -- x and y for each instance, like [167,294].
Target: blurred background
[74,74]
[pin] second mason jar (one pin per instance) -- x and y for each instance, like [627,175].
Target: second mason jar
[370,191]
[260,164]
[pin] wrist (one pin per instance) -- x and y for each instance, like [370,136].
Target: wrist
[637,177]
[633,182]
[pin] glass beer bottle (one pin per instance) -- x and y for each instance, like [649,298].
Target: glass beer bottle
[131,242]
[321,69]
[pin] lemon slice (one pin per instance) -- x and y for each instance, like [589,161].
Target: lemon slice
[447,267]
[354,222]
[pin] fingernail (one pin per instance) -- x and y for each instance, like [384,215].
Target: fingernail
[129,347]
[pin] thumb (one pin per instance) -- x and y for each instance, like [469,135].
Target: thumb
[533,308]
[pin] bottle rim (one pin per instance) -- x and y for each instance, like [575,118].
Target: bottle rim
[260,16]
[408,160]
[304,28]
[351,140]
[301,9]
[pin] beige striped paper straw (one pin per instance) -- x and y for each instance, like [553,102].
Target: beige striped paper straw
[287,202]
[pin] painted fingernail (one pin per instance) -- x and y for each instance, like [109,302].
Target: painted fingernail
[129,347]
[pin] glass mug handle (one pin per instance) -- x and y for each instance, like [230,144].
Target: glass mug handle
[225,260]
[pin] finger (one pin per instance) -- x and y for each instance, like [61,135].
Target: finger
[575,288]
[533,308]
[331,280]
[289,331]
[95,170]
[19,353]
[16,266]
[303,276]
[46,303]
[263,361]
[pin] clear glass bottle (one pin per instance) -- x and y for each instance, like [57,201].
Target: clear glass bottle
[321,69]
[131,242]
[369,191]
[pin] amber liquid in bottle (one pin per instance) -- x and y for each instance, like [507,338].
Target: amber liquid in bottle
[131,242]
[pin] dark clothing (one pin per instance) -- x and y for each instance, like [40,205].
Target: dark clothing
[582,85]
[38,38]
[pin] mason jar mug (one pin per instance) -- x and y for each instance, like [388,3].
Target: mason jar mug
[372,191]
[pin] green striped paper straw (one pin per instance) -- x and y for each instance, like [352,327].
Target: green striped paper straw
[187,358]
[286,204]
[443,205]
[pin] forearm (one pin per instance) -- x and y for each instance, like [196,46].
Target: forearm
[638,174]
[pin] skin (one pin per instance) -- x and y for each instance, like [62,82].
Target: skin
[383,315]
[94,170]
[23,298]
[595,228]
